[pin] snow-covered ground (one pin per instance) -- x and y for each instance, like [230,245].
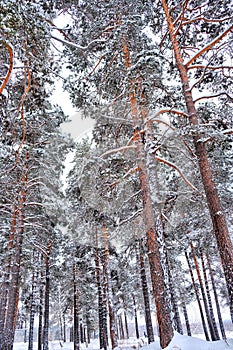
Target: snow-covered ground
[179,342]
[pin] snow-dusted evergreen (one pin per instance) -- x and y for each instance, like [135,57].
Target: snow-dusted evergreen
[142,229]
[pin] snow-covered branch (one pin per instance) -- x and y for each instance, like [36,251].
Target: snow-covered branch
[225,132]
[131,217]
[163,122]
[130,172]
[164,161]
[42,250]
[34,204]
[115,150]
[208,46]
[170,110]
[199,66]
[76,46]
[212,96]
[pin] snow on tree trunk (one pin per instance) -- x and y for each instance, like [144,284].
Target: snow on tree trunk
[76,337]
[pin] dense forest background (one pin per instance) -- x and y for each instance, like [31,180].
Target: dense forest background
[144,223]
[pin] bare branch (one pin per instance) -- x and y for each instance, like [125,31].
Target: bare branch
[209,46]
[178,170]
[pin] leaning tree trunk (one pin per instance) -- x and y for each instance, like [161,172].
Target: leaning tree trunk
[209,320]
[152,231]
[145,292]
[221,324]
[198,298]
[209,297]
[220,228]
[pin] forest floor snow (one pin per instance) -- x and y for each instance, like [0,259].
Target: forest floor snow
[179,342]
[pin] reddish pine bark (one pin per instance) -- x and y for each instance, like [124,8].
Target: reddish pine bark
[220,228]
[156,270]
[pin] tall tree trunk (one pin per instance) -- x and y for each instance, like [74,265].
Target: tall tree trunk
[145,292]
[81,333]
[126,325]
[41,297]
[198,298]
[76,316]
[209,298]
[221,324]
[121,328]
[152,230]
[46,299]
[220,228]
[175,308]
[6,276]
[186,319]
[111,308]
[13,293]
[64,327]
[209,320]
[32,311]
[135,318]
[101,309]
[88,336]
